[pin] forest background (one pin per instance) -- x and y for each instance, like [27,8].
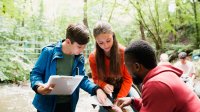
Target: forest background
[26,26]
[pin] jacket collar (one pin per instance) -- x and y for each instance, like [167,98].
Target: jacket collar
[57,52]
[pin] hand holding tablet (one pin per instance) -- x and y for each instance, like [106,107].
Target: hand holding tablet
[64,85]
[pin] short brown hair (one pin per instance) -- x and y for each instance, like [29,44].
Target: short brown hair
[77,33]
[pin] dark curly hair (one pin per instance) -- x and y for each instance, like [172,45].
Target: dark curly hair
[141,52]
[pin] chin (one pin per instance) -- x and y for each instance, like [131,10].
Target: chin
[107,50]
[76,53]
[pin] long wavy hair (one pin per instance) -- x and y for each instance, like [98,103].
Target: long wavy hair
[105,28]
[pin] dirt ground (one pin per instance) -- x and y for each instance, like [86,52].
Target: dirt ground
[15,98]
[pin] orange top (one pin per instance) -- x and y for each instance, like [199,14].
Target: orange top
[127,80]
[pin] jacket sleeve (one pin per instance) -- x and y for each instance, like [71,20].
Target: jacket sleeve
[38,71]
[85,84]
[126,84]
[94,71]
[157,97]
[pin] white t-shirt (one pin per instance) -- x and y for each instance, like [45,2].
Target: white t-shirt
[187,68]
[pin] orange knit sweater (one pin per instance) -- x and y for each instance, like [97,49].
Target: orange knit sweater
[127,80]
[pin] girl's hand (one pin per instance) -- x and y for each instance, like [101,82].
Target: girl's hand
[108,88]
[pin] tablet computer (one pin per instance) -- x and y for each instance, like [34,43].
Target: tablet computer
[64,85]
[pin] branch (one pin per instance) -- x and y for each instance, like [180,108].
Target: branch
[112,11]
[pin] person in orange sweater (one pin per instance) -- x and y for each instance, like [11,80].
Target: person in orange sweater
[107,62]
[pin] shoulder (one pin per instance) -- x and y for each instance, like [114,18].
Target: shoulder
[121,51]
[121,48]
[157,88]
[92,55]
[52,47]
[189,63]
[48,49]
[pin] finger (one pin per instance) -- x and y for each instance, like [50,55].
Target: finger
[41,85]
[104,98]
[107,90]
[51,86]
[118,101]
[50,89]
[122,105]
[101,100]
[110,88]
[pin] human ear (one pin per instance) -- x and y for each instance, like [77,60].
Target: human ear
[68,41]
[137,67]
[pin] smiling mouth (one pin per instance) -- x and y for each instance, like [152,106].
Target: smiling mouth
[107,48]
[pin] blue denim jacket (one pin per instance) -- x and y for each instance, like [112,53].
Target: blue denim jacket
[46,66]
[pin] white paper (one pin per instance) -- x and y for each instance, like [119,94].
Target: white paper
[64,85]
[95,101]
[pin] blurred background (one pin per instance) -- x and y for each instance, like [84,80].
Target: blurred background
[26,26]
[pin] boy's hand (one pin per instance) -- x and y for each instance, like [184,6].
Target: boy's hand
[43,89]
[101,96]
[122,102]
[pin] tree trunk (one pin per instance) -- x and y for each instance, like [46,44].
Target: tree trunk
[197,36]
[101,14]
[85,17]
[85,14]
[112,11]
[4,8]
[142,30]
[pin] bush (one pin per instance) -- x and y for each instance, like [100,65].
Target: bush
[14,67]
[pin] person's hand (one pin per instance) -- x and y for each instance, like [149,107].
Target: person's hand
[108,88]
[101,96]
[43,89]
[116,108]
[122,102]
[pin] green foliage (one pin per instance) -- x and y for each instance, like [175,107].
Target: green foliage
[196,52]
[42,22]
[14,67]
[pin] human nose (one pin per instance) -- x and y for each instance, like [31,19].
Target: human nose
[81,49]
[105,45]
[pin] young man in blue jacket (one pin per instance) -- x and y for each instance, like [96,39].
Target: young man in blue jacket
[62,58]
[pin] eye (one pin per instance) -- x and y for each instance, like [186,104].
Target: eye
[108,41]
[100,43]
[79,47]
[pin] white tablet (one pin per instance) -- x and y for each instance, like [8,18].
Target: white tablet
[64,85]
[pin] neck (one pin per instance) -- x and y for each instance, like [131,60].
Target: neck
[107,54]
[144,73]
[66,48]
